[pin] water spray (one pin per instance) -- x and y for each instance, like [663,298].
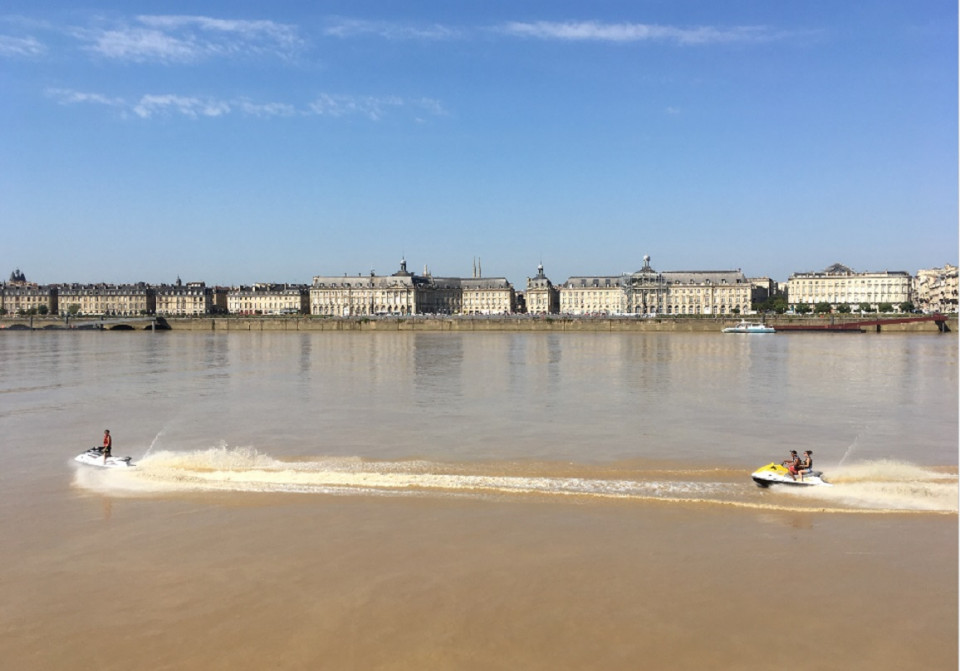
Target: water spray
[153,442]
[850,450]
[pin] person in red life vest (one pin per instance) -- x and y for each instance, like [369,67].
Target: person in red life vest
[107,444]
[792,464]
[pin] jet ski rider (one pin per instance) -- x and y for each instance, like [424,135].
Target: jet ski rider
[792,464]
[107,444]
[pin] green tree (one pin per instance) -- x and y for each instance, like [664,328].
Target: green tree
[73,309]
[843,308]
[866,307]
[802,309]
[43,309]
[823,308]
[776,304]
[907,306]
[885,307]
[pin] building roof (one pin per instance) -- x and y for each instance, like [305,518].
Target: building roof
[704,277]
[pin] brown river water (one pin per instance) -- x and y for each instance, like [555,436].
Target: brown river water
[477,501]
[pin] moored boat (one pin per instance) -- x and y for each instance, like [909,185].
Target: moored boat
[749,327]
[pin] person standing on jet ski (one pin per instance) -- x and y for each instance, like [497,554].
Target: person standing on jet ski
[806,466]
[792,464]
[107,444]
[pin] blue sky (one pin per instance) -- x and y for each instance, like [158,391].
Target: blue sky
[240,142]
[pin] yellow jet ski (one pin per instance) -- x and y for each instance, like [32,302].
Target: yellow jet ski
[777,474]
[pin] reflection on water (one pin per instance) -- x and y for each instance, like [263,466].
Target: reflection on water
[588,397]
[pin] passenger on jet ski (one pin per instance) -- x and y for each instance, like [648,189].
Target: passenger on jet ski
[792,464]
[806,466]
[107,444]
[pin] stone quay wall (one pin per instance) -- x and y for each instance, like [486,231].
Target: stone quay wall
[510,323]
[556,324]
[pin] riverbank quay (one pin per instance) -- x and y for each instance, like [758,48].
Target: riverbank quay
[458,324]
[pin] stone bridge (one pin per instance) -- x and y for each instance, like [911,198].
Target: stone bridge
[145,323]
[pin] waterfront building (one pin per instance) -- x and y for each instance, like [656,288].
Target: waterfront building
[184,300]
[541,297]
[839,285]
[708,292]
[366,296]
[107,300]
[218,297]
[28,298]
[404,293]
[648,292]
[935,289]
[438,295]
[269,299]
[19,297]
[762,288]
[488,296]
[593,295]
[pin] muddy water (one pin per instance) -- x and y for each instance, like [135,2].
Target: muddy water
[477,501]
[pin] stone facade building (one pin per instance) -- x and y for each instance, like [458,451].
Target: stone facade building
[488,296]
[192,299]
[21,298]
[643,292]
[600,295]
[541,297]
[438,295]
[107,300]
[269,299]
[839,285]
[404,293]
[648,292]
[366,296]
[935,289]
[717,292]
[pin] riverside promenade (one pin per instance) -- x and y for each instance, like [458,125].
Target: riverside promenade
[552,323]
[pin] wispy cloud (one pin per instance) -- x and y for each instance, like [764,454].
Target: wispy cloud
[264,110]
[373,108]
[152,105]
[24,47]
[345,105]
[344,28]
[71,97]
[594,31]
[570,31]
[187,39]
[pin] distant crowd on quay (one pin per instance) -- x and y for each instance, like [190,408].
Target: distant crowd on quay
[646,292]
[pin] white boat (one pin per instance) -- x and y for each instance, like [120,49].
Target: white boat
[777,474]
[749,327]
[94,457]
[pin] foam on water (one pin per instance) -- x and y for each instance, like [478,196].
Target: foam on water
[871,486]
[892,485]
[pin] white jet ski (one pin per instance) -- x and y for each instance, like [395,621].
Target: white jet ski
[94,457]
[777,474]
